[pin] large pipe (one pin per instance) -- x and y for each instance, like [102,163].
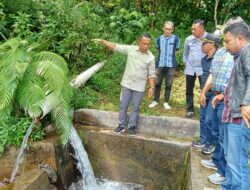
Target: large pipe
[84,76]
[80,80]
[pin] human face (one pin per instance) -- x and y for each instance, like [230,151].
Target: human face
[206,46]
[144,44]
[168,29]
[197,30]
[231,43]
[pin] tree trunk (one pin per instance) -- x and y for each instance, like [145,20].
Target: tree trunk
[215,12]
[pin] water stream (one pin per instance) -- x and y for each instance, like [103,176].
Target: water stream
[21,151]
[89,181]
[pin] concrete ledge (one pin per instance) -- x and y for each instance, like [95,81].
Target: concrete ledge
[154,125]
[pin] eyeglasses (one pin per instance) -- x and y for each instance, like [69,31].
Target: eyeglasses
[168,28]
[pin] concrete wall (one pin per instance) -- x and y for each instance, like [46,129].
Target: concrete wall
[154,163]
[153,125]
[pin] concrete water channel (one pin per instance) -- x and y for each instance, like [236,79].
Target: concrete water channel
[159,157]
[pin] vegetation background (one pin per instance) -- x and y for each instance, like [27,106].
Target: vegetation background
[66,27]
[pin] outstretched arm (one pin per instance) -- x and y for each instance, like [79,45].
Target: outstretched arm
[107,44]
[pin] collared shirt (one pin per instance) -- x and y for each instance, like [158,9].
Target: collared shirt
[139,67]
[221,69]
[192,55]
[167,50]
[206,63]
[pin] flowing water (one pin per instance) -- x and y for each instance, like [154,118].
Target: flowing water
[21,151]
[88,181]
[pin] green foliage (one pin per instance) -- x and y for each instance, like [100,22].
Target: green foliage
[22,25]
[84,98]
[37,81]
[128,25]
[12,132]
[67,27]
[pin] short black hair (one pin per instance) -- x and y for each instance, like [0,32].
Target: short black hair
[146,35]
[238,28]
[199,21]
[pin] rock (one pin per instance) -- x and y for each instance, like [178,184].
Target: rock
[50,172]
[49,129]
[32,180]
[1,184]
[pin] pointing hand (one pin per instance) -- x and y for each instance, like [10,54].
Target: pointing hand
[97,41]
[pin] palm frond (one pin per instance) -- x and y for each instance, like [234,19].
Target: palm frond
[12,44]
[54,76]
[13,65]
[62,120]
[38,81]
[30,91]
[50,102]
[54,58]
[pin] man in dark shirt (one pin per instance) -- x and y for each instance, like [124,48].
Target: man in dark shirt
[210,44]
[237,108]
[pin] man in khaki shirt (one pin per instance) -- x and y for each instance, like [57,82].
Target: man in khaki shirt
[140,67]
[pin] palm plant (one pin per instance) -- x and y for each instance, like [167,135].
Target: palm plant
[35,81]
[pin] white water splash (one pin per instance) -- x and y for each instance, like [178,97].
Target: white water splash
[83,165]
[89,181]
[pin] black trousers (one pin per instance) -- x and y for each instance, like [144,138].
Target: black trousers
[168,74]
[190,82]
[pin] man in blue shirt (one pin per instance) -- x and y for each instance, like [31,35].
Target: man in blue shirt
[192,55]
[167,45]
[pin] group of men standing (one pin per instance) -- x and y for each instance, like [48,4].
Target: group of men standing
[225,106]
[224,77]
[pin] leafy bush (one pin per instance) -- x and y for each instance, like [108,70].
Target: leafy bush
[84,98]
[128,25]
[12,132]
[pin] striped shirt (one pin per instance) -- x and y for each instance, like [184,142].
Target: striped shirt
[167,50]
[221,69]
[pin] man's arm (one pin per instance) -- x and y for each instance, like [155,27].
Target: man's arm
[107,44]
[245,104]
[178,43]
[152,87]
[185,51]
[205,89]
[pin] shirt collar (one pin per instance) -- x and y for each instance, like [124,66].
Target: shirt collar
[238,53]
[167,37]
[205,33]
[137,49]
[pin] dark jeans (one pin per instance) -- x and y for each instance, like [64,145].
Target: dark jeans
[209,132]
[218,156]
[190,82]
[168,74]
